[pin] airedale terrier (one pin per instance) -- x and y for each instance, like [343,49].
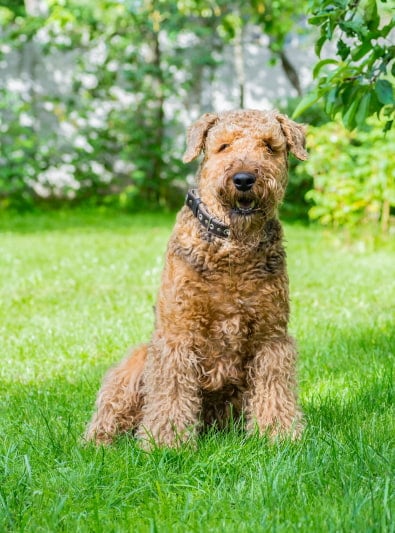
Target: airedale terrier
[220,347]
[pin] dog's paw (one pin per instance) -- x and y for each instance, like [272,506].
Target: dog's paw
[166,436]
[97,435]
[275,430]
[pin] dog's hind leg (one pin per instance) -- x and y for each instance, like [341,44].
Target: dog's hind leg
[120,400]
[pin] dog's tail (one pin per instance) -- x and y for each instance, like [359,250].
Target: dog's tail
[120,400]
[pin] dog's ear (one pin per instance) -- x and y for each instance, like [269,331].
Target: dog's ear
[295,135]
[196,136]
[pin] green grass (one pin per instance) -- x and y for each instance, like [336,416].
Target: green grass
[77,288]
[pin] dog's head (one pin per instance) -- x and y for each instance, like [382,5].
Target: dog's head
[244,171]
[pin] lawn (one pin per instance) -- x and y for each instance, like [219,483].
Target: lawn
[77,288]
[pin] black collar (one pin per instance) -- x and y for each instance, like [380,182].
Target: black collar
[211,224]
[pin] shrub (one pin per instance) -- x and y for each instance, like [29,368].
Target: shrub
[353,175]
[296,205]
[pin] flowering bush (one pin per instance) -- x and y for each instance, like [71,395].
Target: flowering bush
[97,118]
[94,124]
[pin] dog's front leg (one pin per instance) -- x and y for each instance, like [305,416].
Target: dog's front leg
[172,396]
[271,401]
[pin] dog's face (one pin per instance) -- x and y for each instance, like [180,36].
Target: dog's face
[244,171]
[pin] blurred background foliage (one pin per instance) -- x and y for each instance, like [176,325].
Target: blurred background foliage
[107,137]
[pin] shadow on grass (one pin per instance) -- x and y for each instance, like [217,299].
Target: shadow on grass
[44,464]
[82,219]
[368,399]
[56,412]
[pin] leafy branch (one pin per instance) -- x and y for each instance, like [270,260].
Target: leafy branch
[358,82]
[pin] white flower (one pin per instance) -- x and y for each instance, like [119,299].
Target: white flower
[98,54]
[48,106]
[122,96]
[17,154]
[81,122]
[89,81]
[123,167]
[62,78]
[25,120]
[101,172]
[113,66]
[97,168]
[67,129]
[59,177]
[81,142]
[16,85]
[39,189]
[63,40]
[129,49]
[85,38]
[95,122]
[106,177]
[67,158]
[43,35]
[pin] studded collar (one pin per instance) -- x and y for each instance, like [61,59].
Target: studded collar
[211,224]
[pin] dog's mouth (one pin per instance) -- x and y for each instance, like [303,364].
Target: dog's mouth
[244,206]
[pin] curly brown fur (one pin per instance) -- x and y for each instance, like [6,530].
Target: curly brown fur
[220,343]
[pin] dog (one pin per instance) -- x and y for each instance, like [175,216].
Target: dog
[220,347]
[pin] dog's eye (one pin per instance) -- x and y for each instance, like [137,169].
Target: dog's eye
[268,147]
[223,147]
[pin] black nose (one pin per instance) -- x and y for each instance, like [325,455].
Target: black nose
[244,181]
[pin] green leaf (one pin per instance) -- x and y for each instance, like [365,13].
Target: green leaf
[333,102]
[384,92]
[363,109]
[348,91]
[319,44]
[321,64]
[349,115]
[317,19]
[6,16]
[386,29]
[343,50]
[360,51]
[307,101]
[354,27]
[370,14]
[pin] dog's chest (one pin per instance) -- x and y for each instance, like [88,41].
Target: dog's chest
[227,301]
[246,305]
[235,309]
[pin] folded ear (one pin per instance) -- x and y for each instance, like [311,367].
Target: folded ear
[295,136]
[197,134]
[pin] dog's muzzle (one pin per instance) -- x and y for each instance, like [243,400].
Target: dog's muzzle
[244,203]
